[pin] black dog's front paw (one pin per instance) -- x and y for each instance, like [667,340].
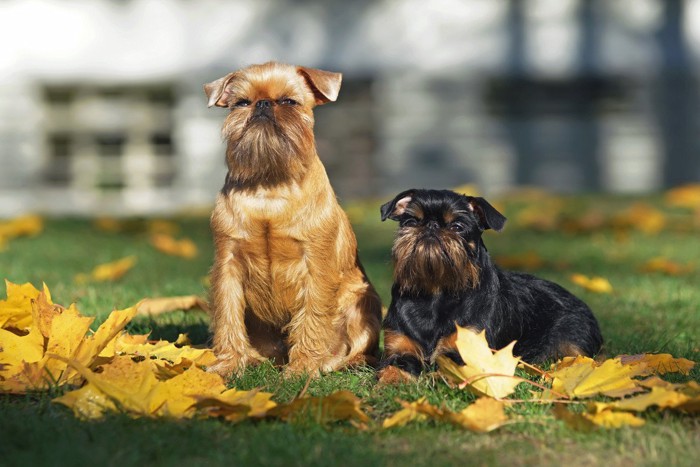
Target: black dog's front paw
[406,362]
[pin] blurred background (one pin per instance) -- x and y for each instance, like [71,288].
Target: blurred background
[102,109]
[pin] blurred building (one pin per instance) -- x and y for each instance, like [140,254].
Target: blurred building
[102,109]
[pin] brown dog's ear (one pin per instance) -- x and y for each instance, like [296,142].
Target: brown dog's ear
[397,206]
[216,91]
[489,217]
[324,84]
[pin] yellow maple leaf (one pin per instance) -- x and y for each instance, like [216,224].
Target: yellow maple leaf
[666,266]
[16,310]
[594,418]
[418,410]
[132,387]
[108,271]
[485,372]
[642,217]
[584,378]
[157,306]
[164,353]
[684,196]
[592,284]
[657,363]
[340,405]
[28,225]
[37,360]
[234,405]
[164,243]
[484,415]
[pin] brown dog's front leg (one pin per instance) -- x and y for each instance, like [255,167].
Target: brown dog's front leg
[231,343]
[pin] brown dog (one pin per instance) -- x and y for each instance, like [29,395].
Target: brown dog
[287,283]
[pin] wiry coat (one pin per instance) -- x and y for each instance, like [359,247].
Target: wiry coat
[287,283]
[546,320]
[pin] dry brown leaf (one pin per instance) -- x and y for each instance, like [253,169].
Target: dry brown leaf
[107,271]
[485,372]
[592,284]
[170,246]
[157,306]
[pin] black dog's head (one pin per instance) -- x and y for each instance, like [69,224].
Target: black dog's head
[439,237]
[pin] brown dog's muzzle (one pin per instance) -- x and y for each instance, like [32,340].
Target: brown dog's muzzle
[263,111]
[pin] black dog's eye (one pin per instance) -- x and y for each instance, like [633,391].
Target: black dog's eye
[457,227]
[410,222]
[242,103]
[287,101]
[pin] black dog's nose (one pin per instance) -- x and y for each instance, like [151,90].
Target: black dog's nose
[263,104]
[433,225]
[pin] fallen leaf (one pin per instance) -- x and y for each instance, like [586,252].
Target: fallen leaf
[592,284]
[584,378]
[108,271]
[341,405]
[157,306]
[234,405]
[24,226]
[666,266]
[132,387]
[16,310]
[641,217]
[419,410]
[658,363]
[164,353]
[687,196]
[168,245]
[589,420]
[484,415]
[485,372]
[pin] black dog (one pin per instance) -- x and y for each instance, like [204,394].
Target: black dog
[443,275]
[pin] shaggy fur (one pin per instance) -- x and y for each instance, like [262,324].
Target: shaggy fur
[287,283]
[444,275]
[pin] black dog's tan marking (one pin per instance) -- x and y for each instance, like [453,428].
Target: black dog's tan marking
[443,276]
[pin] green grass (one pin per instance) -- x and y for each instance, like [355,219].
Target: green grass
[645,313]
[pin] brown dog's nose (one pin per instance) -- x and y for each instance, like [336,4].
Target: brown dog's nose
[263,104]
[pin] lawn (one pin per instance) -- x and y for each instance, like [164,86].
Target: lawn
[646,312]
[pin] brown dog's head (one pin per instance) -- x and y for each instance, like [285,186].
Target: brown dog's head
[269,129]
[439,239]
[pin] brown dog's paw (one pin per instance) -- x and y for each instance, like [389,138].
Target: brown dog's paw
[302,367]
[227,365]
[394,375]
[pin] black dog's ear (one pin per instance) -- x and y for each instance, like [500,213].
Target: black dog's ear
[397,206]
[489,217]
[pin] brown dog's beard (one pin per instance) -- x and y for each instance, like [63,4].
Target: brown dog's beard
[267,152]
[432,263]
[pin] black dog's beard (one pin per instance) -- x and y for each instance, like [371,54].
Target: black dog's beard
[431,263]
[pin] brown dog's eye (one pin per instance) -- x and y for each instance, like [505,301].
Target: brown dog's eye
[287,101]
[457,227]
[242,103]
[409,222]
